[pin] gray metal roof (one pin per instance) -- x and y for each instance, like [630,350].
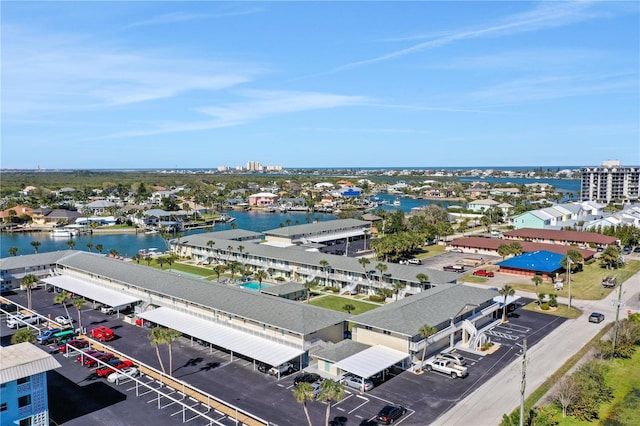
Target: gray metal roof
[28,260]
[371,361]
[23,360]
[286,314]
[91,291]
[230,234]
[432,307]
[282,289]
[316,228]
[312,258]
[341,350]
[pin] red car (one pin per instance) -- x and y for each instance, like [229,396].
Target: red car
[114,364]
[75,343]
[92,352]
[483,273]
[101,333]
[102,356]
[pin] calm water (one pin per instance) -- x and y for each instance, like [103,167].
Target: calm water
[129,244]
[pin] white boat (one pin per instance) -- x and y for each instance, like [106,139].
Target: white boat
[63,233]
[396,202]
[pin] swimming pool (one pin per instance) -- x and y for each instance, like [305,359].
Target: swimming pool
[252,285]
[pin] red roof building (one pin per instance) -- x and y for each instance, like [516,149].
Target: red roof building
[490,246]
[552,236]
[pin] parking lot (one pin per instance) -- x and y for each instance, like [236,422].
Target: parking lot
[426,396]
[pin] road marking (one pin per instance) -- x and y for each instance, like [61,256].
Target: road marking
[502,335]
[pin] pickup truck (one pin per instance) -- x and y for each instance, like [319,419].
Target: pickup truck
[454,268]
[446,367]
[483,273]
[281,369]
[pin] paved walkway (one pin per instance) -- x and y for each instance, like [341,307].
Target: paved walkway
[501,394]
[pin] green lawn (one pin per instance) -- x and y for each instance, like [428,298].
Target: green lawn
[586,284]
[336,303]
[560,311]
[430,251]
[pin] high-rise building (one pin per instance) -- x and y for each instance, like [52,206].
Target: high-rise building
[23,384]
[610,182]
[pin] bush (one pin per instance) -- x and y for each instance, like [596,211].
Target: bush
[544,306]
[377,298]
[334,289]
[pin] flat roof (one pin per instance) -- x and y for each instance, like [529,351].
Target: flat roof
[371,361]
[337,236]
[23,360]
[91,291]
[317,227]
[237,341]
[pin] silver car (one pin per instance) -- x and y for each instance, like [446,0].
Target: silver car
[453,357]
[356,382]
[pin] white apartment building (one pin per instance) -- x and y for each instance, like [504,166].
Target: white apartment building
[611,182]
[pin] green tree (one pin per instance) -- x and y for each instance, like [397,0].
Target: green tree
[593,391]
[170,335]
[13,251]
[537,280]
[24,335]
[330,390]
[71,244]
[348,307]
[573,259]
[35,244]
[397,286]
[156,338]
[210,244]
[611,257]
[504,250]
[423,279]
[308,285]
[260,276]
[382,268]
[90,247]
[99,248]
[29,282]
[78,304]
[114,252]
[425,332]
[62,298]
[505,292]
[324,264]
[303,392]
[515,248]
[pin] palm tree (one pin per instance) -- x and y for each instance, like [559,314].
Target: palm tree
[504,250]
[397,286]
[71,244]
[29,283]
[218,270]
[382,268]
[156,338]
[99,248]
[61,298]
[89,246]
[364,262]
[324,264]
[308,285]
[113,252]
[425,332]
[260,275]
[365,233]
[234,266]
[506,291]
[537,280]
[170,335]
[35,244]
[24,335]
[234,225]
[303,392]
[78,304]
[13,251]
[422,278]
[229,249]
[241,249]
[330,390]
[210,244]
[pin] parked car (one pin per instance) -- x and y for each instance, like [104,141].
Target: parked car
[19,320]
[456,250]
[9,307]
[123,374]
[114,365]
[75,343]
[101,356]
[454,268]
[356,382]
[101,333]
[263,368]
[306,378]
[63,320]
[80,358]
[626,250]
[107,310]
[483,273]
[637,249]
[415,261]
[286,368]
[390,413]
[446,367]
[46,336]
[596,317]
[453,357]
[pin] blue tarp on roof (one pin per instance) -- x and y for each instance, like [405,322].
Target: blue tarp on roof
[539,261]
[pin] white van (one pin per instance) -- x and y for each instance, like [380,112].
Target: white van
[17,321]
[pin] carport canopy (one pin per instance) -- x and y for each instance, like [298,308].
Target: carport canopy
[246,344]
[337,236]
[371,361]
[91,291]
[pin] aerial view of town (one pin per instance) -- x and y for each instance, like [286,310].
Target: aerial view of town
[320,213]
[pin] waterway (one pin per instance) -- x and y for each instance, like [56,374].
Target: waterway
[128,244]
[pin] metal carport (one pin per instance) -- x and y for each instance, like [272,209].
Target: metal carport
[371,361]
[249,345]
[91,291]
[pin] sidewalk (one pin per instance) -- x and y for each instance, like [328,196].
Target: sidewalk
[501,394]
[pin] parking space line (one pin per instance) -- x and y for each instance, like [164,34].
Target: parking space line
[357,407]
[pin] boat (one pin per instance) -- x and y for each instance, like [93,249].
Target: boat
[63,233]
[396,202]
[151,231]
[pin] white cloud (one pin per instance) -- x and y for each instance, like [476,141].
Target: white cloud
[172,18]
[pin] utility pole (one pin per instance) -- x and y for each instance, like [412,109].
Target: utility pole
[524,380]
[618,304]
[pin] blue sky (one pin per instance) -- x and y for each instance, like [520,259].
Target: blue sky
[319,84]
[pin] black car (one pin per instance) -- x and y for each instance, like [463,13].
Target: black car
[306,378]
[9,307]
[390,413]
[263,368]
